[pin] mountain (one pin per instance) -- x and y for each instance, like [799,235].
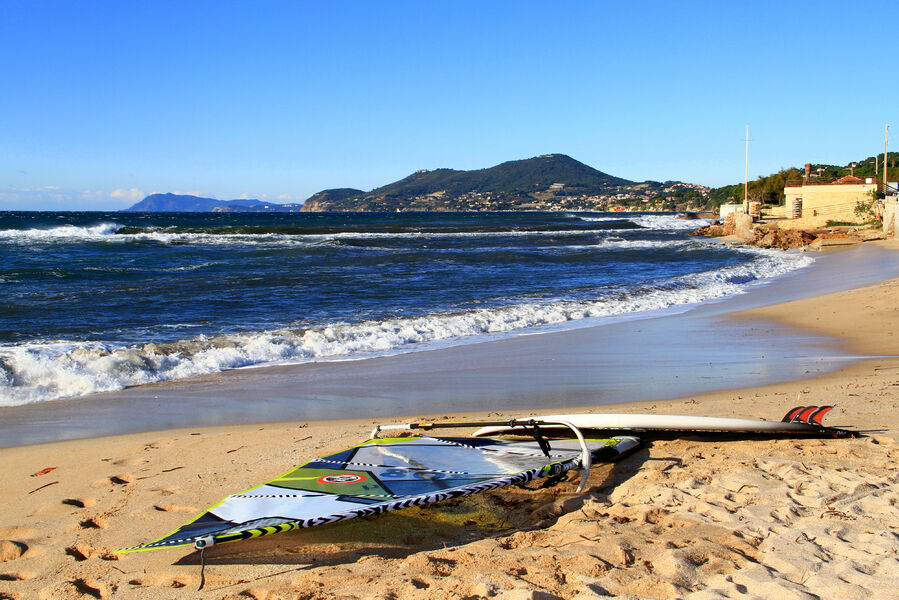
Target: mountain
[513,184]
[548,182]
[185,203]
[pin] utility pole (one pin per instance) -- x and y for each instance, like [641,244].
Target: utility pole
[886,143]
[746,176]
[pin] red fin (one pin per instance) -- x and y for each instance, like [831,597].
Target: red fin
[818,415]
[791,414]
[803,417]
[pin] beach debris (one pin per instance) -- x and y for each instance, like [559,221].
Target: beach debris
[43,486]
[43,471]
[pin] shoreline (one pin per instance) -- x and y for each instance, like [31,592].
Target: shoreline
[642,359]
[686,517]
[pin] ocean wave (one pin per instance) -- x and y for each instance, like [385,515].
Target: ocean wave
[99,232]
[110,232]
[115,232]
[613,243]
[669,222]
[661,222]
[46,371]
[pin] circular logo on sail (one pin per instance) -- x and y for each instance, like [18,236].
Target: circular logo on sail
[341,478]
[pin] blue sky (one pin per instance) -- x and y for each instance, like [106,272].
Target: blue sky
[102,103]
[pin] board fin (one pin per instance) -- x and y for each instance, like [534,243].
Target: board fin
[791,414]
[814,416]
[809,415]
[818,416]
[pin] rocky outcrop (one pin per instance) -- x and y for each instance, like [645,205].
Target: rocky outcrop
[736,225]
[740,228]
[776,238]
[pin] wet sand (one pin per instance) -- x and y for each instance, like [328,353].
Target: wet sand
[688,517]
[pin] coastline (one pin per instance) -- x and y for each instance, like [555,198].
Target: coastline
[598,363]
[686,517]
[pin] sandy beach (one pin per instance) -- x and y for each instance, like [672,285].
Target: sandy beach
[698,518]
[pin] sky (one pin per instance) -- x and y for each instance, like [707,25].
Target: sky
[102,103]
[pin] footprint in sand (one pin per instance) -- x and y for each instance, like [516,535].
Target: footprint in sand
[91,587]
[16,576]
[12,550]
[79,552]
[80,502]
[128,461]
[97,522]
[122,479]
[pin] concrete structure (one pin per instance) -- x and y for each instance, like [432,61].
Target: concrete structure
[890,214]
[835,201]
[726,209]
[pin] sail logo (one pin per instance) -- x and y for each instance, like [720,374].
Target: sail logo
[341,478]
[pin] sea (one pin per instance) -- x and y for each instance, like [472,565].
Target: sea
[96,301]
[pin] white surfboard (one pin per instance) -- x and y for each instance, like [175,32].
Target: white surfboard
[800,421]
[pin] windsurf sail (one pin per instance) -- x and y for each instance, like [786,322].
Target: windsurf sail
[383,475]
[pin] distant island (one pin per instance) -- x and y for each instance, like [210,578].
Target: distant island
[184,203]
[548,182]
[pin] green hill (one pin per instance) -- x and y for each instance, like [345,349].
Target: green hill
[510,185]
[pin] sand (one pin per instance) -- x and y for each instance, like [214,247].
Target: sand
[680,518]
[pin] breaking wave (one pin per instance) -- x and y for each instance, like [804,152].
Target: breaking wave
[35,372]
[661,222]
[99,232]
[116,233]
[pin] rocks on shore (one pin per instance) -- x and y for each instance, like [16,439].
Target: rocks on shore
[741,229]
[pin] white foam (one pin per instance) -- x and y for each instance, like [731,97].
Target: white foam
[99,232]
[662,222]
[107,232]
[669,222]
[611,243]
[38,372]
